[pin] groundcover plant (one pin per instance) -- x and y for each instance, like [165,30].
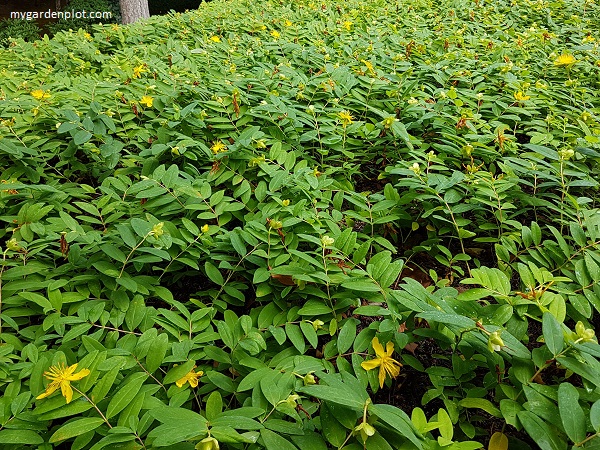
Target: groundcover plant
[304,225]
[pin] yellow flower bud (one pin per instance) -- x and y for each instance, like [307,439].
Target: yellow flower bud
[275,224]
[566,154]
[157,230]
[495,342]
[309,379]
[583,334]
[388,121]
[208,443]
[365,429]
[204,228]
[13,245]
[318,324]
[326,241]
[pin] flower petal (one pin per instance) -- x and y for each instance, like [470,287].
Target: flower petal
[371,364]
[381,376]
[50,389]
[179,383]
[66,390]
[68,371]
[79,375]
[389,348]
[377,347]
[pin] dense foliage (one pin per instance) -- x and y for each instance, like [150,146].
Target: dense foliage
[227,228]
[28,31]
[87,24]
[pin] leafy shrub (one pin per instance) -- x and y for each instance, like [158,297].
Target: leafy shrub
[111,6]
[232,225]
[26,30]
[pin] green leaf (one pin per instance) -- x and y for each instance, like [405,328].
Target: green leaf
[509,409]
[578,234]
[76,428]
[480,403]
[346,336]
[580,369]
[309,441]
[273,441]
[571,413]
[125,394]
[174,433]
[498,441]
[553,333]
[81,137]
[213,273]
[214,405]
[295,336]
[157,352]
[178,372]
[20,437]
[253,378]
[362,285]
[445,425]
[335,394]
[221,381]
[332,429]
[283,427]
[237,243]
[448,319]
[314,307]
[398,421]
[543,434]
[595,416]
[309,333]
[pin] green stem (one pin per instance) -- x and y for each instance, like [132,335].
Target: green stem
[132,252]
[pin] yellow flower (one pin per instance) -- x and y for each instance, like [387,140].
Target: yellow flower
[88,36]
[218,147]
[285,202]
[369,66]
[348,25]
[147,101]
[565,60]
[204,228]
[190,377]
[39,94]
[215,39]
[275,34]
[137,71]
[288,23]
[385,362]
[521,97]
[345,118]
[61,377]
